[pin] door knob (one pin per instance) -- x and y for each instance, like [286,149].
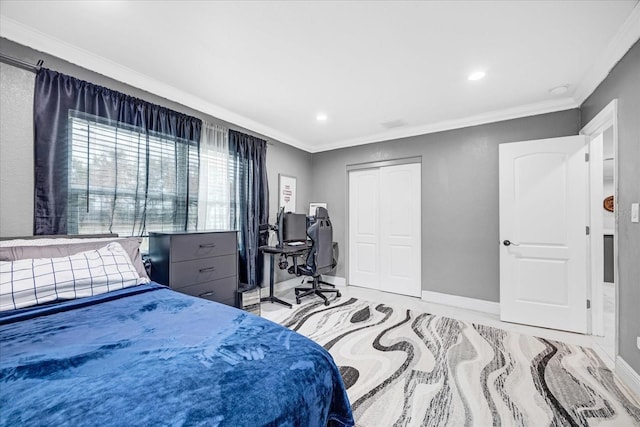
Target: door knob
[509,243]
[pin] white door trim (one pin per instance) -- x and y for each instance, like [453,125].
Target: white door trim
[607,117]
[595,258]
[383,163]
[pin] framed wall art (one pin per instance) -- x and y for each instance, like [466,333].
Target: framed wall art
[287,192]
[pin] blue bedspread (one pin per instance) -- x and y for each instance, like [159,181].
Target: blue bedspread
[152,356]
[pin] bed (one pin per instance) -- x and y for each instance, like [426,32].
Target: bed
[146,355]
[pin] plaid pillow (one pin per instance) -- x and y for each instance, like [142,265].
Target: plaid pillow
[14,249]
[29,282]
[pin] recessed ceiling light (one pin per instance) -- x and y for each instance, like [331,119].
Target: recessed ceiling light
[476,75]
[559,90]
[321,117]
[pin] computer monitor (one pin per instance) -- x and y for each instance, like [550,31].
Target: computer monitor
[294,227]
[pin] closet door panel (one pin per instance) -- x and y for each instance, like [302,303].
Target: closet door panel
[400,244]
[364,191]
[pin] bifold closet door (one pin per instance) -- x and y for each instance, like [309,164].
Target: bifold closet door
[384,229]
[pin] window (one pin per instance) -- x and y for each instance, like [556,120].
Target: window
[217,179]
[128,181]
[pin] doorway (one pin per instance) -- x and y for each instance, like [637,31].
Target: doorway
[601,133]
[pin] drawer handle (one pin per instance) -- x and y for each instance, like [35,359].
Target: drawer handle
[207,294]
[208,269]
[208,245]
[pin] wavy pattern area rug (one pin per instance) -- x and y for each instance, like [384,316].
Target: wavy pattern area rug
[416,369]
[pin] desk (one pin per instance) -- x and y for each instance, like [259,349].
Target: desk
[288,250]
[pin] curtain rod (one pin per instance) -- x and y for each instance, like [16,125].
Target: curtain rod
[35,68]
[20,63]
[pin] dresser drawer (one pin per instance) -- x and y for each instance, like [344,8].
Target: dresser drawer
[205,245]
[223,290]
[187,273]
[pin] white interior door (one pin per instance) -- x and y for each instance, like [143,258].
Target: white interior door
[543,218]
[364,228]
[400,255]
[384,228]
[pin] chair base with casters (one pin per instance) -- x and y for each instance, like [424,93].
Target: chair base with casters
[317,290]
[322,282]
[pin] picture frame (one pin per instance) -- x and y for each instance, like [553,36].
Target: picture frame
[287,192]
[314,205]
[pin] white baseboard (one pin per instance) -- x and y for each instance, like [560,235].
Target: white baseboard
[285,284]
[628,376]
[297,281]
[462,302]
[607,359]
[335,280]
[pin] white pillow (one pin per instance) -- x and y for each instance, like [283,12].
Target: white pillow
[28,282]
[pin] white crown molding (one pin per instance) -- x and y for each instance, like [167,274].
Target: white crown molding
[605,118]
[624,39]
[28,36]
[627,35]
[480,119]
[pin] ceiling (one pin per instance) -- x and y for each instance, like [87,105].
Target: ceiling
[272,67]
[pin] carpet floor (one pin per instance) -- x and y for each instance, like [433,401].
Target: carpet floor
[403,368]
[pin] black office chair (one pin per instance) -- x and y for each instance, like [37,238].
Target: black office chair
[320,259]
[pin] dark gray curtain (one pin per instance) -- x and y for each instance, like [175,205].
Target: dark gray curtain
[55,96]
[250,203]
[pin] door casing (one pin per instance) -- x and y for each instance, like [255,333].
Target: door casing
[605,119]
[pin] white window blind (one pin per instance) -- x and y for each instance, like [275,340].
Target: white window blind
[127,181]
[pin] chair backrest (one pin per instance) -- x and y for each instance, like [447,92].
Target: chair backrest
[320,258]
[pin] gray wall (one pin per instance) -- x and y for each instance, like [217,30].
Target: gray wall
[286,160]
[623,83]
[459,196]
[16,139]
[16,151]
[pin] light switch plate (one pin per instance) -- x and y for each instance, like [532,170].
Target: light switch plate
[634,212]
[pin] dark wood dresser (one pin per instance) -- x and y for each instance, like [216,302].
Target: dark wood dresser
[203,263]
